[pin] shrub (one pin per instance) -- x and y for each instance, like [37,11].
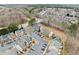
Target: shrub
[3,31]
[12,28]
[32,21]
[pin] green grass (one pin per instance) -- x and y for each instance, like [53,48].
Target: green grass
[73,29]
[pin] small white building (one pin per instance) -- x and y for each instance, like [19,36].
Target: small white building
[50,34]
[23,25]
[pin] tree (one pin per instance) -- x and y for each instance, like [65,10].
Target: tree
[4,31]
[30,11]
[12,27]
[32,21]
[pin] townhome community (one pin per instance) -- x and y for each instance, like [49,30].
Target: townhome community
[23,42]
[39,30]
